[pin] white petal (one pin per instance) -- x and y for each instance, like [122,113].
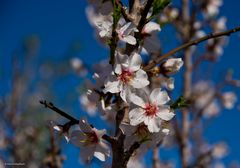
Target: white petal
[165,114]
[159,97]
[87,152]
[140,80]
[102,151]
[112,85]
[125,93]
[153,124]
[103,33]
[99,133]
[77,138]
[84,126]
[127,129]
[129,39]
[124,28]
[100,156]
[57,128]
[165,131]
[66,136]
[117,68]
[119,60]
[138,100]
[150,27]
[136,116]
[135,62]
[170,83]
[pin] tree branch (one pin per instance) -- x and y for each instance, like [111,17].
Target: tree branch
[188,44]
[62,113]
[72,119]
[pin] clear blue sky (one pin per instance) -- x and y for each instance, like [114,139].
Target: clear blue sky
[59,22]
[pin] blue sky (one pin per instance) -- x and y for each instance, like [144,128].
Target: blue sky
[58,23]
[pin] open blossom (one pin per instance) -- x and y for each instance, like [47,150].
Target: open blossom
[90,141]
[103,25]
[152,109]
[141,133]
[171,66]
[125,33]
[128,75]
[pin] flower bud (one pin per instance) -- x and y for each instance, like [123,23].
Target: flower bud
[171,66]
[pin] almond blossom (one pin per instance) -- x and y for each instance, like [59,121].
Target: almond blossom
[128,75]
[90,141]
[152,109]
[141,133]
[125,33]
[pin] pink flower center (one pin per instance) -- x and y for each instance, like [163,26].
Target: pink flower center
[125,76]
[92,138]
[151,109]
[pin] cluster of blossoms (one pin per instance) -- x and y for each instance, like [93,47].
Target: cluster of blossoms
[148,110]
[206,97]
[123,85]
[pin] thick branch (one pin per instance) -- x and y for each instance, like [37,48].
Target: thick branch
[188,44]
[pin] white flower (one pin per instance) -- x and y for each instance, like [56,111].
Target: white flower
[90,141]
[124,33]
[102,23]
[171,66]
[141,133]
[152,110]
[229,99]
[128,75]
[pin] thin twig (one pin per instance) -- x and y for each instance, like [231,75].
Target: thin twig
[62,113]
[190,43]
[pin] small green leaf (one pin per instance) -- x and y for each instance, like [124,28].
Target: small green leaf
[159,5]
[179,103]
[116,13]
